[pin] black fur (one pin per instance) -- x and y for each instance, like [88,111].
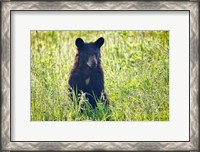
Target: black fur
[82,71]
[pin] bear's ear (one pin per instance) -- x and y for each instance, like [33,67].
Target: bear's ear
[79,42]
[99,42]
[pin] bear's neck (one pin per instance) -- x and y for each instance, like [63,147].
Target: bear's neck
[86,71]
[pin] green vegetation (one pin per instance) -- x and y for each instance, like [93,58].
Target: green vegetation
[136,71]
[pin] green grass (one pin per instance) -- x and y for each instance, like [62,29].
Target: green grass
[136,72]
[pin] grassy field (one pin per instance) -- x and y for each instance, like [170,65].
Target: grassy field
[136,71]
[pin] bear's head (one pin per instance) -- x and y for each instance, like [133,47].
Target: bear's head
[89,53]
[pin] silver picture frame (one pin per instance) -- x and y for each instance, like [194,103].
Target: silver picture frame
[8,6]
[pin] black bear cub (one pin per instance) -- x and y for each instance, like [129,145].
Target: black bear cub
[87,74]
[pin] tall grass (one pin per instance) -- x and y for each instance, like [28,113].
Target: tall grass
[136,71]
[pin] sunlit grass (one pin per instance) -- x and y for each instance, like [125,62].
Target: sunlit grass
[136,72]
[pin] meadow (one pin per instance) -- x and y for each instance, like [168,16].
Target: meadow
[136,75]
